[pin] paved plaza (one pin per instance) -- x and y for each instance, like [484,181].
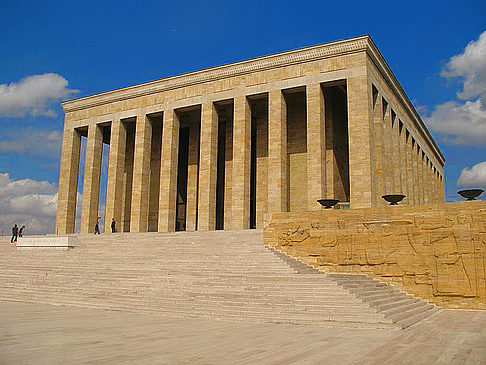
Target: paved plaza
[43,334]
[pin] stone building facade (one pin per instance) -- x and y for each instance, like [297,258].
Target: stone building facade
[221,147]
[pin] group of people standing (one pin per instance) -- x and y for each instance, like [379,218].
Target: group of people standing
[113,227]
[16,232]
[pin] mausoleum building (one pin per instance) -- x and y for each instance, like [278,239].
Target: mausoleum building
[221,147]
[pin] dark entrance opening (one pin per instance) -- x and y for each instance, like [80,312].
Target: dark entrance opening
[220,183]
[182,179]
[253,177]
[337,141]
[224,163]
[156,146]
[128,175]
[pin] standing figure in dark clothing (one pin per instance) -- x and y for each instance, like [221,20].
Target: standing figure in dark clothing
[97,228]
[21,232]
[113,225]
[15,232]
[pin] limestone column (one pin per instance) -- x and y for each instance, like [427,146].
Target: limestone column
[423,164]
[192,178]
[92,174]
[228,172]
[114,184]
[378,145]
[277,153]
[361,141]
[416,180]
[168,172]
[141,174]
[240,215]
[426,180]
[68,182]
[208,168]
[388,171]
[316,147]
[433,182]
[411,174]
[420,174]
[438,186]
[261,150]
[396,157]
[403,162]
[442,189]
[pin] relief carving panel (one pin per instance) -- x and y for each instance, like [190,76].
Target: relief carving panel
[433,251]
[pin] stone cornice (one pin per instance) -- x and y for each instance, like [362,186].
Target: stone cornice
[296,56]
[306,54]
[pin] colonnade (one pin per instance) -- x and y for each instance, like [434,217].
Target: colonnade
[356,148]
[402,165]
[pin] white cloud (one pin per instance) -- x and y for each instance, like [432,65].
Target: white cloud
[27,202]
[33,142]
[474,176]
[33,95]
[461,122]
[470,65]
[32,203]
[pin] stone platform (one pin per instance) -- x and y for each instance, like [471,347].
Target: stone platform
[44,334]
[49,241]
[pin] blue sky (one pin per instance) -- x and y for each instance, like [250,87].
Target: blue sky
[91,46]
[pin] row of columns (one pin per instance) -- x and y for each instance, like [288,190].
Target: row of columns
[239,174]
[397,163]
[400,164]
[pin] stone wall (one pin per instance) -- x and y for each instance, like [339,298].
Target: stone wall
[435,251]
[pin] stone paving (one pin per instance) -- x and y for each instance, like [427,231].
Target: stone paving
[43,334]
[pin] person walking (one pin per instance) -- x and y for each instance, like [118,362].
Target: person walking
[21,232]
[15,232]
[97,228]
[113,225]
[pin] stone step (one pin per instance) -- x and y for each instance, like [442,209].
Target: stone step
[268,317]
[417,317]
[394,304]
[401,308]
[371,291]
[398,309]
[226,275]
[141,301]
[389,300]
[296,317]
[385,295]
[178,291]
[397,317]
[364,285]
[189,300]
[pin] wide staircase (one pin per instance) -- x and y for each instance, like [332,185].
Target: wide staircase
[226,275]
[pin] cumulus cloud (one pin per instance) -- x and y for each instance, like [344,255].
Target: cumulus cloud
[32,141]
[32,203]
[27,202]
[464,121]
[460,123]
[474,176]
[33,95]
[470,65]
